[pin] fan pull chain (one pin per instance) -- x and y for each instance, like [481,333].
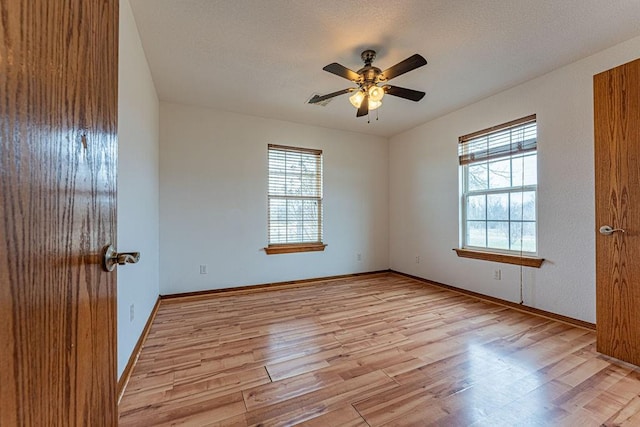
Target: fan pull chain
[369,115]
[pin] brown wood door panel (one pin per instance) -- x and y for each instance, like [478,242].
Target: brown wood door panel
[58,130]
[617,181]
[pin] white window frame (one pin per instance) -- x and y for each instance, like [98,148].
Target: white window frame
[277,243]
[492,154]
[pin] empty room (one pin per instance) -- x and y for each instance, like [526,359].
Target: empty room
[336,213]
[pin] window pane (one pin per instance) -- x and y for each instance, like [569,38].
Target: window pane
[515,207]
[277,220]
[294,185]
[523,236]
[294,209]
[277,209]
[277,184]
[498,234]
[477,177]
[311,231]
[498,206]
[476,207]
[309,186]
[531,170]
[277,232]
[500,174]
[476,233]
[516,236]
[529,206]
[529,237]
[276,164]
[294,223]
[310,210]
[293,162]
[309,165]
[520,199]
[525,170]
[517,171]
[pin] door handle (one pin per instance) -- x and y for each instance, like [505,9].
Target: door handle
[111,258]
[607,230]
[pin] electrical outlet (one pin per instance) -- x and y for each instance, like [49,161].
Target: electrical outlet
[203,269]
[132,312]
[359,257]
[497,275]
[417,259]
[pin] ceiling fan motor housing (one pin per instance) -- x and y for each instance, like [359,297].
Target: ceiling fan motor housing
[369,74]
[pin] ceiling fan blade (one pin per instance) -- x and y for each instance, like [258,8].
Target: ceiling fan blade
[411,63]
[342,71]
[364,107]
[320,98]
[413,95]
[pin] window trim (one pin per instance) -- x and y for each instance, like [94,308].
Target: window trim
[289,248]
[505,258]
[518,257]
[294,247]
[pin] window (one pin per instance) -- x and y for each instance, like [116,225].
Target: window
[295,200]
[499,188]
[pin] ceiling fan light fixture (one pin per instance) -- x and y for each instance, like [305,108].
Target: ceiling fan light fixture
[359,95]
[357,98]
[374,104]
[376,93]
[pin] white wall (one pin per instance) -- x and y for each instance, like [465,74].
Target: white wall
[424,191]
[213,200]
[138,217]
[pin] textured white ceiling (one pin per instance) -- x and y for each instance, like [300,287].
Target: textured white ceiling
[265,57]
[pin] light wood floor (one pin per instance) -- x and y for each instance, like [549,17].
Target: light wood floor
[371,351]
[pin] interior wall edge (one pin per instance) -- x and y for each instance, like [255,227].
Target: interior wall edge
[128,370]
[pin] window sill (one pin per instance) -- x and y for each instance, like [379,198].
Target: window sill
[288,249]
[527,261]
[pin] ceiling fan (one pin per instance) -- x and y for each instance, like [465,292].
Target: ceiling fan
[370,80]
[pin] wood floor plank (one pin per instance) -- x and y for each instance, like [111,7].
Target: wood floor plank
[370,350]
[234,381]
[319,402]
[627,414]
[304,364]
[345,416]
[235,421]
[288,388]
[196,408]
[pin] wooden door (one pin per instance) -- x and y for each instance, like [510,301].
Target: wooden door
[617,170]
[58,123]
